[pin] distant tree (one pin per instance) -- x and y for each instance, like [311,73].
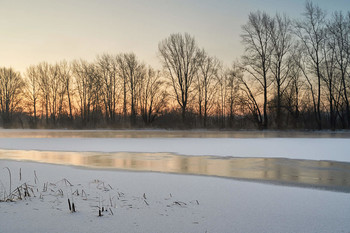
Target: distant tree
[281,44]
[180,57]
[32,90]
[222,80]
[249,100]
[296,83]
[55,89]
[330,78]
[11,88]
[122,74]
[88,89]
[339,41]
[235,74]
[133,73]
[206,84]
[108,71]
[311,34]
[256,37]
[153,97]
[66,79]
[43,72]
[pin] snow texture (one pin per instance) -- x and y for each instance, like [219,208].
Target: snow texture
[205,204]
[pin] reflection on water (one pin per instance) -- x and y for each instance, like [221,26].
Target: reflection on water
[319,174]
[167,134]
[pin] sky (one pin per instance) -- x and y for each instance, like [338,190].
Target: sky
[53,30]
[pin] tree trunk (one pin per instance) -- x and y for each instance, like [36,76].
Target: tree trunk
[278,116]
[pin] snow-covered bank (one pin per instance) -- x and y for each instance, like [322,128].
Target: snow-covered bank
[294,148]
[224,205]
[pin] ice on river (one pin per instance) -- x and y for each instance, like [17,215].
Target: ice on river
[336,149]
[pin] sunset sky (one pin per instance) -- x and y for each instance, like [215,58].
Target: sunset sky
[35,31]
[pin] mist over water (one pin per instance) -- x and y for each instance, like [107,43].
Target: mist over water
[169,134]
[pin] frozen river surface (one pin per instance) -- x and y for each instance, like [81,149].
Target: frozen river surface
[329,175]
[290,158]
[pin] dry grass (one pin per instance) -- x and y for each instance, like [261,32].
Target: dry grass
[106,201]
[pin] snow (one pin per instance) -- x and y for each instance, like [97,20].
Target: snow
[158,202]
[335,149]
[224,205]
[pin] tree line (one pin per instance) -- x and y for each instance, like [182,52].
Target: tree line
[294,74]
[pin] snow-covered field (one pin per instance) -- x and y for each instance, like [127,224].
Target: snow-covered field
[157,202]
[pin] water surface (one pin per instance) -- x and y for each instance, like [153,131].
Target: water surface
[327,175]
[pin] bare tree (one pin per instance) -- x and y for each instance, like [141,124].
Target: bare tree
[329,76]
[222,79]
[88,89]
[152,97]
[107,68]
[256,37]
[11,86]
[32,89]
[180,57]
[295,84]
[249,99]
[55,88]
[44,80]
[235,74]
[132,72]
[339,42]
[311,33]
[66,79]
[281,43]
[122,74]
[206,84]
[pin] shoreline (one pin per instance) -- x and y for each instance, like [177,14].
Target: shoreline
[166,133]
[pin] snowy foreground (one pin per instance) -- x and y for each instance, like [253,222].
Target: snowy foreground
[151,202]
[158,202]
